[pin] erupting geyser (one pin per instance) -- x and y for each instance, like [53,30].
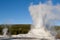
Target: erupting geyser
[42,15]
[5,32]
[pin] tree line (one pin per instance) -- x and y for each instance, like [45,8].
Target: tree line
[16,29]
[22,29]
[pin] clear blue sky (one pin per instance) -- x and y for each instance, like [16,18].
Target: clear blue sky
[16,11]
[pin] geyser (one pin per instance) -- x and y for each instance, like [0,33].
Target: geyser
[42,15]
[5,31]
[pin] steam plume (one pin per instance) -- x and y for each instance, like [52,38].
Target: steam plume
[47,12]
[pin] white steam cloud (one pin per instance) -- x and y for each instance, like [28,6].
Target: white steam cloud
[46,11]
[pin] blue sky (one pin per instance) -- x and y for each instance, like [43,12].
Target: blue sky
[16,11]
